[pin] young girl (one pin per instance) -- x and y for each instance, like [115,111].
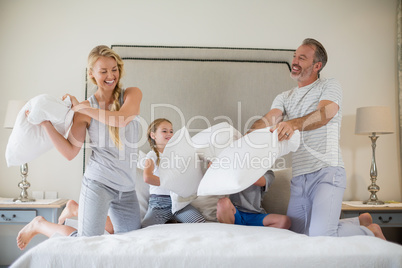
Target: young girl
[160,204]
[108,115]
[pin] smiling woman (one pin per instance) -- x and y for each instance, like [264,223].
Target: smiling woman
[108,183]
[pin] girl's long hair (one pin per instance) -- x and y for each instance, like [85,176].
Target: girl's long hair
[152,128]
[94,55]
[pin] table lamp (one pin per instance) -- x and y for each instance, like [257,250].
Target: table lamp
[13,108]
[373,121]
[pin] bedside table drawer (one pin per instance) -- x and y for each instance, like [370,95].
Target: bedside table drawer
[387,219]
[15,216]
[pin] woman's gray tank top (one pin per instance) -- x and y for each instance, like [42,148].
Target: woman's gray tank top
[107,164]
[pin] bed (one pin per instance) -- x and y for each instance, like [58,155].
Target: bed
[198,87]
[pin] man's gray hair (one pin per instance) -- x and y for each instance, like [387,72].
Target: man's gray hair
[320,52]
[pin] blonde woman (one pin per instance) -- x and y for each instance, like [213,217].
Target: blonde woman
[109,117]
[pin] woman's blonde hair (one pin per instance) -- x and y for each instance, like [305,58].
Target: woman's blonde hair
[94,55]
[152,128]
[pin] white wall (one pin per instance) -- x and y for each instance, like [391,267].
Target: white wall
[44,45]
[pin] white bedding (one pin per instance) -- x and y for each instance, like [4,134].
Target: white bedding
[212,245]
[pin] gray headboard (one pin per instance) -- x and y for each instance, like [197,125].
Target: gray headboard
[202,86]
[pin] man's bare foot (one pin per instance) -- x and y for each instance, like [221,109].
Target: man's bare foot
[365,219]
[71,210]
[376,229]
[28,232]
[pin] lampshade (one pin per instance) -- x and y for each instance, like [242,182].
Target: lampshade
[374,119]
[13,108]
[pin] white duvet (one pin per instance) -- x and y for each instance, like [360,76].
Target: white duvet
[212,245]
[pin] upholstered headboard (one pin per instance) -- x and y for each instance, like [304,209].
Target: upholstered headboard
[198,87]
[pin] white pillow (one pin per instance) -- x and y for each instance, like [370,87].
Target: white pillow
[142,157]
[245,161]
[179,202]
[179,167]
[28,140]
[210,142]
[207,205]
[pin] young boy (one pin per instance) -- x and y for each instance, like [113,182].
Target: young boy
[245,208]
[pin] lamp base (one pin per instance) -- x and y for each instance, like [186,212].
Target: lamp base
[24,185]
[373,202]
[22,199]
[373,188]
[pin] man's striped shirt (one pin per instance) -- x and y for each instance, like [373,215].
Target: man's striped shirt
[319,148]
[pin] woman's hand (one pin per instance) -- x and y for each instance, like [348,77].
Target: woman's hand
[77,106]
[46,124]
[43,124]
[73,99]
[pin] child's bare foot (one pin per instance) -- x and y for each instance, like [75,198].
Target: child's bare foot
[71,210]
[28,232]
[376,229]
[365,219]
[109,226]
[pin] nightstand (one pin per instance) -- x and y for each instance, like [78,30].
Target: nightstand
[13,217]
[389,218]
